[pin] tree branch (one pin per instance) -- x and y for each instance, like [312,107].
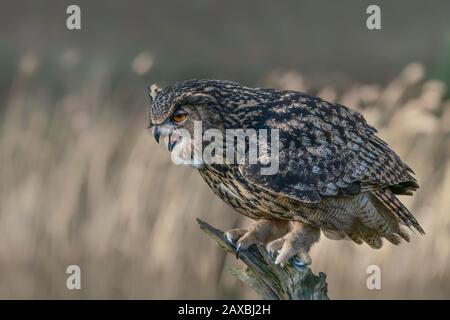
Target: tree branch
[269,280]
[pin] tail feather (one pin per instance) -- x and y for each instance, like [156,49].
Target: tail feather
[387,198]
[405,188]
[402,233]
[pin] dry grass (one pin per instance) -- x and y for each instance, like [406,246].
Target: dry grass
[83,183]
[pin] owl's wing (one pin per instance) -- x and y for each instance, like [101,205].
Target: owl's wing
[326,149]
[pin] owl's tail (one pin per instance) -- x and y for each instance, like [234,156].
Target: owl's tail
[382,217]
[387,198]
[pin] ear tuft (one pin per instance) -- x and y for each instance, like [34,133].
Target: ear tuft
[153,91]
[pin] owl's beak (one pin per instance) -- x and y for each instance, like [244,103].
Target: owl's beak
[157,133]
[173,137]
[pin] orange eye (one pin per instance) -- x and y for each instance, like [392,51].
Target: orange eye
[179,117]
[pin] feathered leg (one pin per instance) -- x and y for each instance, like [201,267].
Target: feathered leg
[297,242]
[261,231]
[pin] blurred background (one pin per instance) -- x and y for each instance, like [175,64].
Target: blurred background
[82,181]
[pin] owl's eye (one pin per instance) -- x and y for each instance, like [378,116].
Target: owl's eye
[178,117]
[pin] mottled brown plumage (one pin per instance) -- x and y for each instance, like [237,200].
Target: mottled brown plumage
[335,174]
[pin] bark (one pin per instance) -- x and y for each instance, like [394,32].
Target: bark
[269,280]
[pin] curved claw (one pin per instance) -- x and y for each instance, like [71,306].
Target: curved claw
[297,262]
[272,255]
[238,250]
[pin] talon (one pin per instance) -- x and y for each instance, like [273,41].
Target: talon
[238,250]
[297,262]
[230,239]
[234,235]
[272,255]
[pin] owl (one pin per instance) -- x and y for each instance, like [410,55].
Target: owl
[334,176]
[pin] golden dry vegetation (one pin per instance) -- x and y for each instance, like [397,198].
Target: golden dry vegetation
[82,182]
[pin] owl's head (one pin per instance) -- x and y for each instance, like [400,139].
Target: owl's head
[210,115]
[182,106]
[179,105]
[177,112]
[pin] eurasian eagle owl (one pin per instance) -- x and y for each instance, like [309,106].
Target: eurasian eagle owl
[334,175]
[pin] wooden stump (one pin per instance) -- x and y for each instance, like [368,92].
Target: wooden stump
[269,280]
